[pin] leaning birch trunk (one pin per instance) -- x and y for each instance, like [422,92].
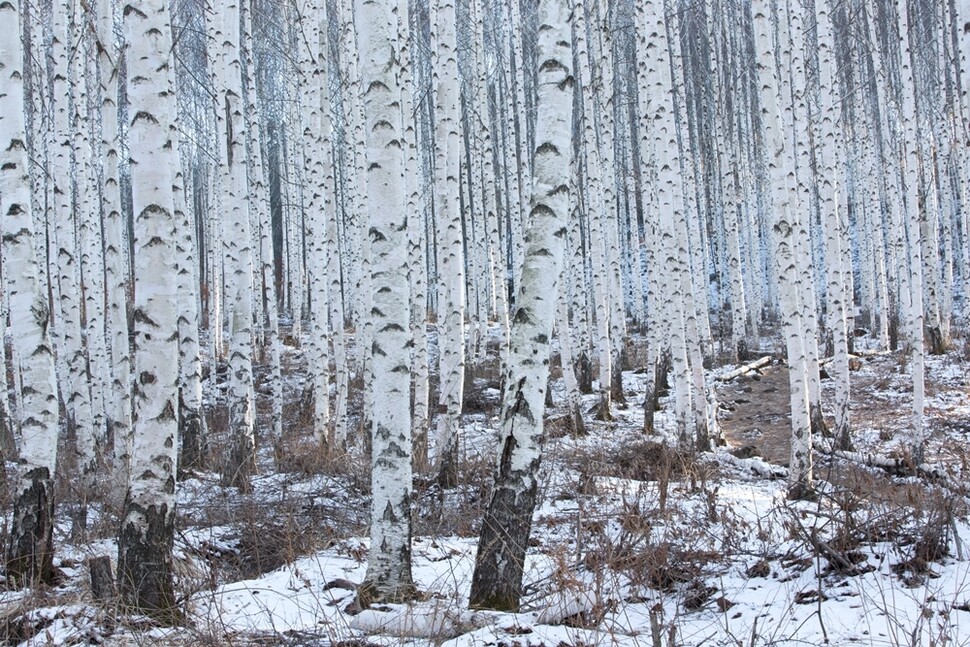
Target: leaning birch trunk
[451,318]
[793,95]
[239,462]
[963,18]
[417,250]
[497,579]
[148,520]
[87,231]
[334,272]
[594,209]
[574,400]
[29,556]
[389,560]
[694,301]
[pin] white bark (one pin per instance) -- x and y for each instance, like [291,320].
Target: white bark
[74,380]
[260,202]
[29,554]
[147,528]
[594,211]
[240,459]
[781,167]
[389,561]
[119,404]
[316,162]
[192,431]
[832,171]
[913,221]
[417,255]
[505,532]
[451,267]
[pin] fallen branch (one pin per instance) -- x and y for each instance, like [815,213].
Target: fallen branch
[894,466]
[743,370]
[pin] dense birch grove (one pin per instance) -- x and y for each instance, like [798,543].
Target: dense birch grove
[406,193]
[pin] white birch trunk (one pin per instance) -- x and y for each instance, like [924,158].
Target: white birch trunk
[115,242]
[239,462]
[781,167]
[192,428]
[913,224]
[148,521]
[594,212]
[29,554]
[497,579]
[417,251]
[74,383]
[831,167]
[267,275]
[389,560]
[334,267]
[451,269]
[311,14]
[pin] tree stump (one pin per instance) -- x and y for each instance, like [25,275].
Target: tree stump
[102,579]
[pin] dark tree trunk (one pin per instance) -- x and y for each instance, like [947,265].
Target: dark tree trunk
[584,373]
[192,448]
[616,381]
[145,561]
[937,345]
[102,580]
[819,428]
[30,552]
[239,463]
[577,424]
[502,544]
[448,465]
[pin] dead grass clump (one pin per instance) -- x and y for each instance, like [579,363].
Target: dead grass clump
[456,511]
[264,547]
[660,566]
[268,537]
[307,456]
[645,461]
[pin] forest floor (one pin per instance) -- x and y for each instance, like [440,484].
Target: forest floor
[635,541]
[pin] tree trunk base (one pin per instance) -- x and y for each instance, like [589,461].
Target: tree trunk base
[578,424]
[819,428]
[30,556]
[145,562]
[448,466]
[584,373]
[102,579]
[936,340]
[239,465]
[616,385]
[502,544]
[192,450]
[603,412]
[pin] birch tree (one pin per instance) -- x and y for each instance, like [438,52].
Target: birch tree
[781,168]
[451,317]
[115,241]
[389,560]
[497,579]
[239,462]
[148,520]
[29,556]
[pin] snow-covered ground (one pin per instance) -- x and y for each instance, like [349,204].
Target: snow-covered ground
[634,544]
